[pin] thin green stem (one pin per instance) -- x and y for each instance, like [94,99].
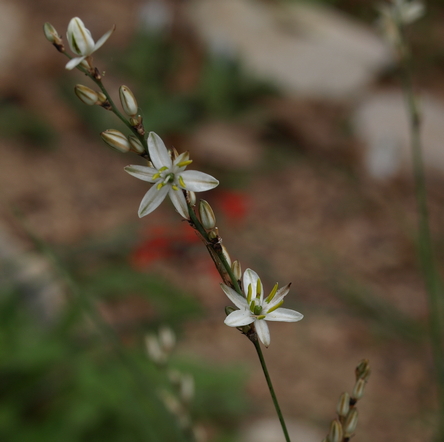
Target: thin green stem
[424,241]
[257,346]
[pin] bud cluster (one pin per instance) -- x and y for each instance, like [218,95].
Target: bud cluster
[180,394]
[343,427]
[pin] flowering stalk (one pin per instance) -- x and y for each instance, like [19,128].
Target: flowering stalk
[404,13]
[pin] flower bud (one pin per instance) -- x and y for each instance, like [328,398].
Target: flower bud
[186,388]
[358,391]
[363,370]
[335,434]
[350,423]
[214,234]
[343,405]
[153,349]
[207,216]
[87,95]
[229,309]
[237,270]
[226,255]
[129,103]
[167,338]
[136,145]
[116,140]
[51,34]
[191,197]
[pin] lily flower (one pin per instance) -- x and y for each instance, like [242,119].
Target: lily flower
[81,42]
[169,178]
[253,308]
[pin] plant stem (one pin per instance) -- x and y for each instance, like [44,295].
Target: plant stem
[424,240]
[257,346]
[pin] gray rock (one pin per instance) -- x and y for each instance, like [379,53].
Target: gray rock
[307,50]
[381,122]
[269,430]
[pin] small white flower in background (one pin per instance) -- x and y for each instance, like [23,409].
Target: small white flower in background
[169,178]
[399,12]
[254,308]
[81,42]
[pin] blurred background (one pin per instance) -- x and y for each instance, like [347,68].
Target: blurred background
[296,108]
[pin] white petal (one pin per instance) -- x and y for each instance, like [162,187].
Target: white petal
[152,200]
[158,152]
[79,38]
[262,331]
[238,300]
[284,315]
[250,277]
[238,318]
[179,202]
[279,296]
[198,181]
[143,173]
[74,62]
[103,38]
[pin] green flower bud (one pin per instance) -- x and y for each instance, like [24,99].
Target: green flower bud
[351,422]
[51,34]
[87,95]
[136,145]
[116,140]
[363,370]
[358,391]
[129,103]
[237,270]
[343,405]
[207,216]
[335,434]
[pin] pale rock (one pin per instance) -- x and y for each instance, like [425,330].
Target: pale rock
[305,49]
[226,145]
[269,430]
[381,122]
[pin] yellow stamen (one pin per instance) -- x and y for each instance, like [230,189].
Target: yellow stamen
[275,307]
[249,293]
[156,175]
[252,306]
[185,163]
[175,187]
[163,168]
[160,185]
[258,288]
[260,317]
[272,293]
[182,182]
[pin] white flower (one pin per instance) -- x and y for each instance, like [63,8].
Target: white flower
[81,42]
[169,178]
[254,308]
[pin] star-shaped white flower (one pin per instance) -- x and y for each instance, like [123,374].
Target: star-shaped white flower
[169,178]
[254,308]
[81,42]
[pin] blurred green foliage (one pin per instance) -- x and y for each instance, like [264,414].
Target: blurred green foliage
[72,379]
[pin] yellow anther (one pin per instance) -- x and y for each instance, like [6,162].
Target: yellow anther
[252,307]
[163,168]
[182,182]
[275,307]
[156,175]
[185,163]
[258,288]
[249,293]
[160,185]
[260,317]
[272,293]
[175,187]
